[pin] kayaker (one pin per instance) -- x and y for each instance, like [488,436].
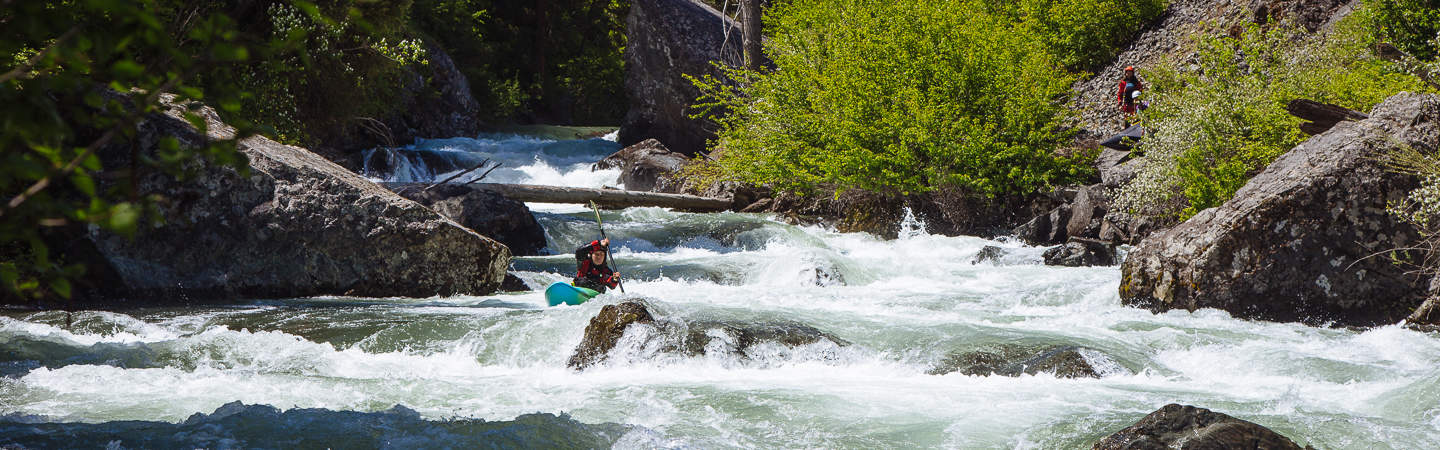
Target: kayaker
[593,273]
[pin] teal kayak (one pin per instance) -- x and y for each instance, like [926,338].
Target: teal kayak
[559,293]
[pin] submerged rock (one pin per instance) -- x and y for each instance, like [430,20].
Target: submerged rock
[1187,427]
[486,212]
[1080,253]
[989,253]
[643,165]
[297,225]
[1299,242]
[513,283]
[702,338]
[1013,360]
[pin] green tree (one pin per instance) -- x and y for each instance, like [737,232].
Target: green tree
[898,96]
[80,75]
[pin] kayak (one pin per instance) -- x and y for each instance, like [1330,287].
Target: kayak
[565,293]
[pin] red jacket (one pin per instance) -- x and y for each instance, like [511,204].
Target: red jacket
[591,274]
[1127,104]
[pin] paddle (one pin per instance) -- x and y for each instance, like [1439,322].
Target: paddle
[608,257]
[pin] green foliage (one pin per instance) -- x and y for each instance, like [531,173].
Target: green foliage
[1216,126]
[1081,33]
[82,73]
[553,61]
[896,96]
[1411,25]
[344,59]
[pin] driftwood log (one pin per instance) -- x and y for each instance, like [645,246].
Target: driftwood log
[606,198]
[1321,116]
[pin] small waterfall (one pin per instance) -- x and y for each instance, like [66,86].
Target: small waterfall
[523,159]
[390,165]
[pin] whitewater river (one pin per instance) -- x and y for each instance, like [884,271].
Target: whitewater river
[467,371]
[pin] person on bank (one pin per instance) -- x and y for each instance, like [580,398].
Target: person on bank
[593,272]
[1130,85]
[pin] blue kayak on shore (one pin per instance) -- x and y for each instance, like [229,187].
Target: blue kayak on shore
[565,293]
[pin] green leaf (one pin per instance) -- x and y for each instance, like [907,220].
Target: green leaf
[84,183]
[123,219]
[126,69]
[8,275]
[61,286]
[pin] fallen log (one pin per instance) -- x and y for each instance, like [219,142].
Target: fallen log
[606,198]
[1322,116]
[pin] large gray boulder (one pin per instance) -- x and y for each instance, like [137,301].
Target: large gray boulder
[297,225]
[486,212]
[644,165]
[669,39]
[1176,426]
[1306,240]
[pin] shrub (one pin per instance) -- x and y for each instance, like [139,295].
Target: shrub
[895,96]
[56,113]
[1411,25]
[1081,33]
[1212,128]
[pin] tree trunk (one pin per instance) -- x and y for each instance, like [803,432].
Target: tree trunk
[750,21]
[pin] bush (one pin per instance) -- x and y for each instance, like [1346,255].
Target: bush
[1411,25]
[895,96]
[1081,33]
[81,75]
[1212,128]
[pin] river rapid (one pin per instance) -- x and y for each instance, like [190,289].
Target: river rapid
[491,371]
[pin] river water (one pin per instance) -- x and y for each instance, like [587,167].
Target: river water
[490,371]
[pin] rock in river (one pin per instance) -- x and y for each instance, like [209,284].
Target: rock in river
[1306,240]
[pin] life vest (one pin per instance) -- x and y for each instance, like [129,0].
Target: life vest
[591,275]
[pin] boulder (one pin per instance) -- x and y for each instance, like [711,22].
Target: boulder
[605,330]
[1428,313]
[296,225]
[513,283]
[1086,212]
[668,40]
[1013,360]
[486,212]
[1080,253]
[1046,229]
[1309,239]
[738,339]
[700,338]
[1187,427]
[1117,167]
[989,253]
[1122,228]
[643,165]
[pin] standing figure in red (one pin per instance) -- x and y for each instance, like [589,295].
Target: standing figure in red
[1130,85]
